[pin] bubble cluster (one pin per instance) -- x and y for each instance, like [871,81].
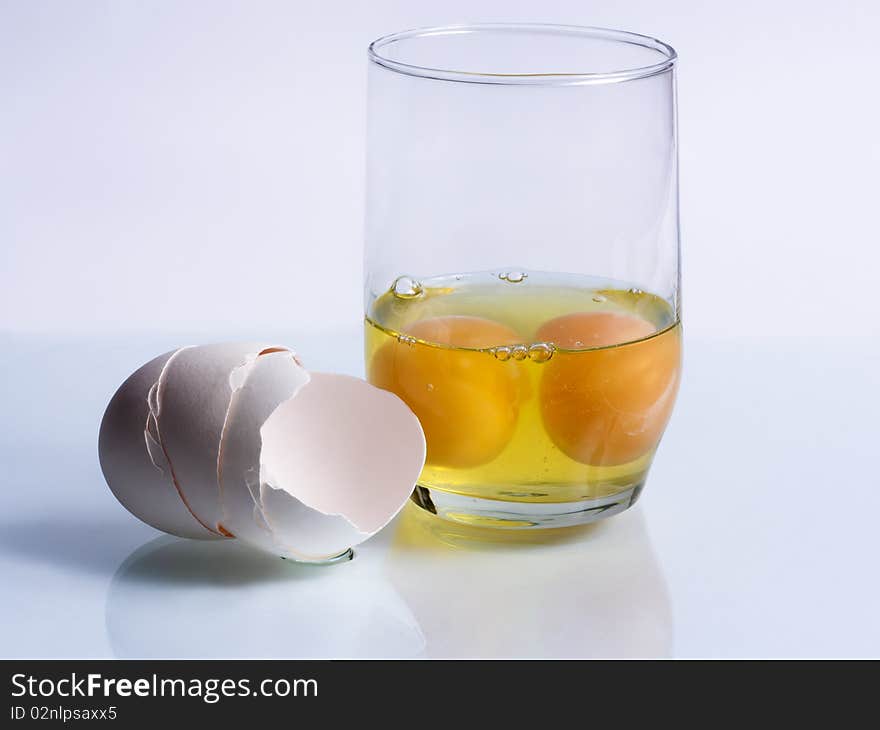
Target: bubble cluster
[513,277]
[599,298]
[405,287]
[541,352]
[406,340]
[635,290]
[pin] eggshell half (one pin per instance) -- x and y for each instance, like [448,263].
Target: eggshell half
[338,462]
[133,462]
[272,379]
[193,399]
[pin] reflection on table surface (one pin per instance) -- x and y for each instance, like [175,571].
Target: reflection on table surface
[183,598]
[423,587]
[592,591]
[764,523]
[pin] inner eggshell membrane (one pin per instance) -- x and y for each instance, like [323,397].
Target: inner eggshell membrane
[313,464]
[343,448]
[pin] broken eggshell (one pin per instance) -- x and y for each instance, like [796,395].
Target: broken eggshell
[262,386]
[337,463]
[133,461]
[194,395]
[239,440]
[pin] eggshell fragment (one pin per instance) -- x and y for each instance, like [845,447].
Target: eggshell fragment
[338,462]
[272,379]
[302,533]
[193,398]
[133,462]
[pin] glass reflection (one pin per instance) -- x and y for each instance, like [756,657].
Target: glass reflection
[592,591]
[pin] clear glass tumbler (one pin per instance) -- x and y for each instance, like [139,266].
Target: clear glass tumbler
[522,263]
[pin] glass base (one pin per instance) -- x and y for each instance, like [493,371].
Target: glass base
[521,515]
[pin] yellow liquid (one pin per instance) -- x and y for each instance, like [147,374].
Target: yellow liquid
[530,388]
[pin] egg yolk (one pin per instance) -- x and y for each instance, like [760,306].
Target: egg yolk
[608,406]
[467,401]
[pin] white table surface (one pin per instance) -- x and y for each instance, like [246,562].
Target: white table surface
[757,534]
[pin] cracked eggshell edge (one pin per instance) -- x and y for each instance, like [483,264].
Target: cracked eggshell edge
[338,461]
[258,390]
[194,396]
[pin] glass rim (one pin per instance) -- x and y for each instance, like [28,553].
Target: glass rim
[520,78]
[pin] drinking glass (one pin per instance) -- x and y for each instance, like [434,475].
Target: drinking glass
[522,288]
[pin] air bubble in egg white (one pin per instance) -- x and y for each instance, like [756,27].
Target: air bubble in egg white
[405,287]
[519,352]
[540,352]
